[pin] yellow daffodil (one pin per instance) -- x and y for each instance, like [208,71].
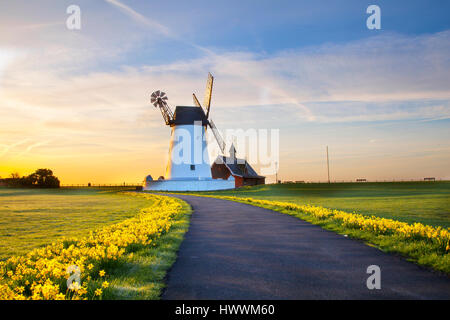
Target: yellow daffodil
[45,268]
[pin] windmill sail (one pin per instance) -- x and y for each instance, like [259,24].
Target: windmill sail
[159,99]
[208,93]
[196,102]
[217,135]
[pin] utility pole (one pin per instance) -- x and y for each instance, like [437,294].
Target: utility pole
[328,166]
[276,172]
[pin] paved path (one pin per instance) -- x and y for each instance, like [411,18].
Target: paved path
[237,251]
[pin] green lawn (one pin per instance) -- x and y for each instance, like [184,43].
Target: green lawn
[425,202]
[30,218]
[143,276]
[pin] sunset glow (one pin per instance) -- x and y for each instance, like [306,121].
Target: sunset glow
[77,101]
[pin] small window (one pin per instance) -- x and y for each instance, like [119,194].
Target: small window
[192,166]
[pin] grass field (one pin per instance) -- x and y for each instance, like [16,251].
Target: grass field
[425,202]
[127,256]
[30,218]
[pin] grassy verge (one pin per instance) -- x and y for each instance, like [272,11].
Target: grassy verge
[142,275]
[126,260]
[426,245]
[424,202]
[32,218]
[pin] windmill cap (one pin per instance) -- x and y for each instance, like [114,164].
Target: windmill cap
[188,115]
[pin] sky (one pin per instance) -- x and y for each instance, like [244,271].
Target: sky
[77,101]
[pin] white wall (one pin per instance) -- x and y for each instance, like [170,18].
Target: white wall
[189,185]
[188,147]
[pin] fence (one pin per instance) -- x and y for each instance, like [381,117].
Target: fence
[103,185]
[361,181]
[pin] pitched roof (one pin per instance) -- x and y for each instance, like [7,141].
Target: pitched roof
[188,115]
[238,167]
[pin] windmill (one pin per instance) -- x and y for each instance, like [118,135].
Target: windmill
[188,167]
[159,99]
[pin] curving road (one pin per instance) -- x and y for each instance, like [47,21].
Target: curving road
[238,251]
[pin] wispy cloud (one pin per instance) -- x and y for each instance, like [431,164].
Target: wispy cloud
[31,147]
[210,54]
[7,148]
[361,81]
[140,18]
[37,26]
[85,94]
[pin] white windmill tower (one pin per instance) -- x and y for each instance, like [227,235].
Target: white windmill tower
[188,167]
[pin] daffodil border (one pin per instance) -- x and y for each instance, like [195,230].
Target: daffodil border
[42,273]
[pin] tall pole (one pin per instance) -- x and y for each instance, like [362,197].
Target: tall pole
[328,166]
[276,172]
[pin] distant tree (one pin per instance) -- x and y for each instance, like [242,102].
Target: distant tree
[41,178]
[15,175]
[44,178]
[42,174]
